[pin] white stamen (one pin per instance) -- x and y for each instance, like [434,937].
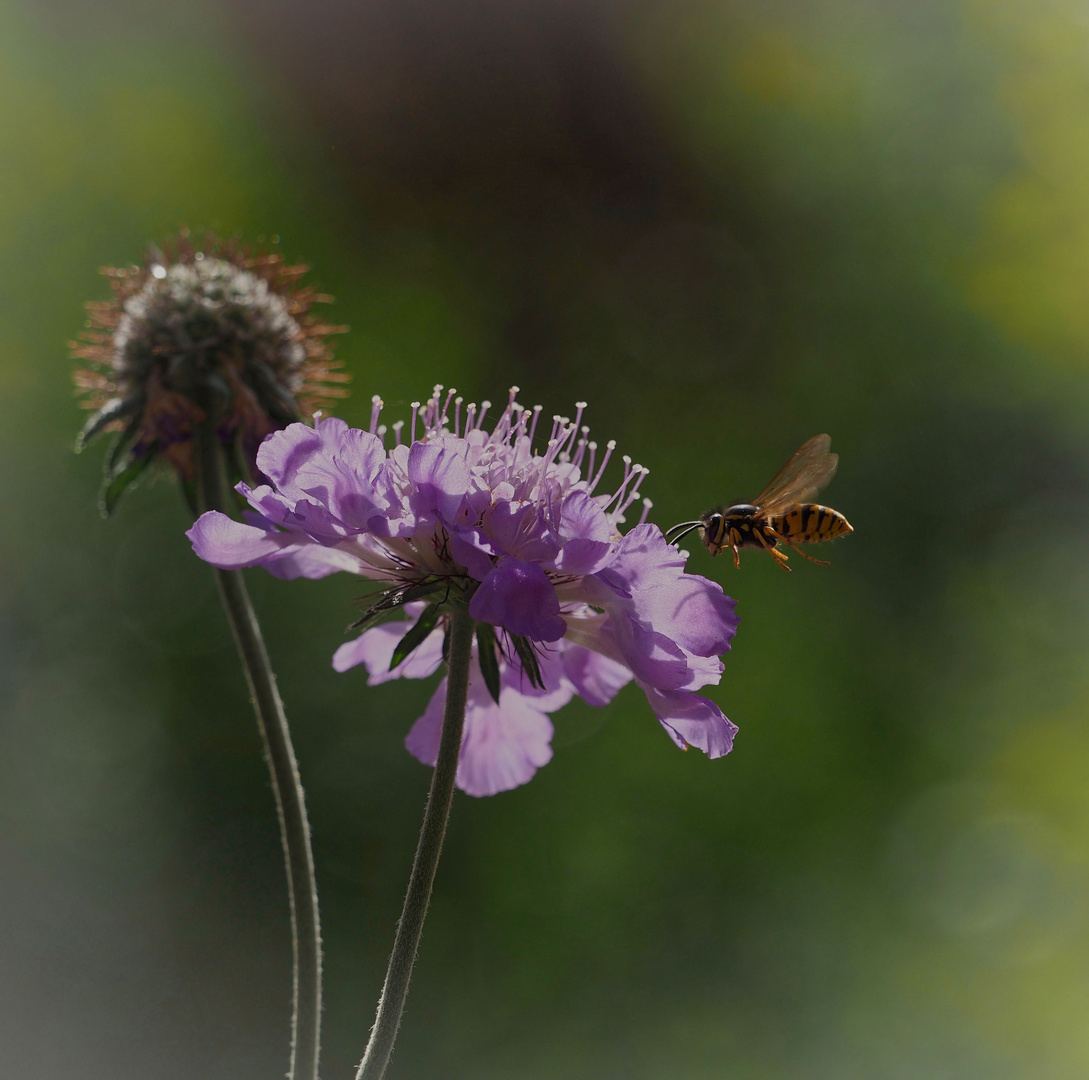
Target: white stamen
[580,448]
[610,446]
[446,405]
[536,417]
[637,474]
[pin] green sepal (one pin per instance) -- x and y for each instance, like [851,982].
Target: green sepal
[236,460]
[415,637]
[486,653]
[393,600]
[524,648]
[122,479]
[115,460]
[117,409]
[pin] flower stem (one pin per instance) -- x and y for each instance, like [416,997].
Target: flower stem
[286,785]
[406,943]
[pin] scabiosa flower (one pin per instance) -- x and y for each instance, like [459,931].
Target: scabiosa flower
[563,603]
[214,331]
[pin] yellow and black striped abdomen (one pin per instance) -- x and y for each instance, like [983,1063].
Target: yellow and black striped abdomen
[810,523]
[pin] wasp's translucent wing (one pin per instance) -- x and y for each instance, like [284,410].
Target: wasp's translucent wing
[810,468]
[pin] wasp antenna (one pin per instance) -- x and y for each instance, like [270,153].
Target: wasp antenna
[679,532]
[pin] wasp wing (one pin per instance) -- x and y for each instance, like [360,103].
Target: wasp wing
[808,470]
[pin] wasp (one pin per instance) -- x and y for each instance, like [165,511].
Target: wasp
[780,514]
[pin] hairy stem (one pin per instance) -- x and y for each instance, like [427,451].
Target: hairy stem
[283,770]
[406,943]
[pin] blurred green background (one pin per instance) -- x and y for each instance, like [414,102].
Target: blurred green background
[728,227]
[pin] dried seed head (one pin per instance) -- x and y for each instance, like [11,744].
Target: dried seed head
[211,332]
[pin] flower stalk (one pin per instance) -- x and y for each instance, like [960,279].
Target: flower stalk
[211,492]
[436,815]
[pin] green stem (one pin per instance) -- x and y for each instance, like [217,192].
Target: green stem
[407,941]
[286,785]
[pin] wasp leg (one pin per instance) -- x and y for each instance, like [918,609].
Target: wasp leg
[733,541]
[780,558]
[805,555]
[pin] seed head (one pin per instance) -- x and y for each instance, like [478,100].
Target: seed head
[210,332]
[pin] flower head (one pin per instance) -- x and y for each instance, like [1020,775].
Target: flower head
[216,331]
[564,603]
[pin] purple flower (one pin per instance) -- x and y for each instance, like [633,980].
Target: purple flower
[564,603]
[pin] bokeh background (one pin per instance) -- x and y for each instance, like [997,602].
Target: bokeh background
[727,226]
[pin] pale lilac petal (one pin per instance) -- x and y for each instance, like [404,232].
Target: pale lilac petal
[375,647]
[422,740]
[703,671]
[694,612]
[691,610]
[692,720]
[596,678]
[230,545]
[285,452]
[584,556]
[558,689]
[329,472]
[440,477]
[518,596]
[313,561]
[470,549]
[301,460]
[502,745]
[268,504]
[586,535]
[653,657]
[520,530]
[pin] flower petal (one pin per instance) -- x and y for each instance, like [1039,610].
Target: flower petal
[502,746]
[596,678]
[230,545]
[654,657]
[518,596]
[472,550]
[374,648]
[520,529]
[440,478]
[691,610]
[692,720]
[558,689]
[586,535]
[314,561]
[331,470]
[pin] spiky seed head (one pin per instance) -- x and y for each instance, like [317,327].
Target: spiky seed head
[201,331]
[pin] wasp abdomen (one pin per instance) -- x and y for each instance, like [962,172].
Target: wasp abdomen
[810,523]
